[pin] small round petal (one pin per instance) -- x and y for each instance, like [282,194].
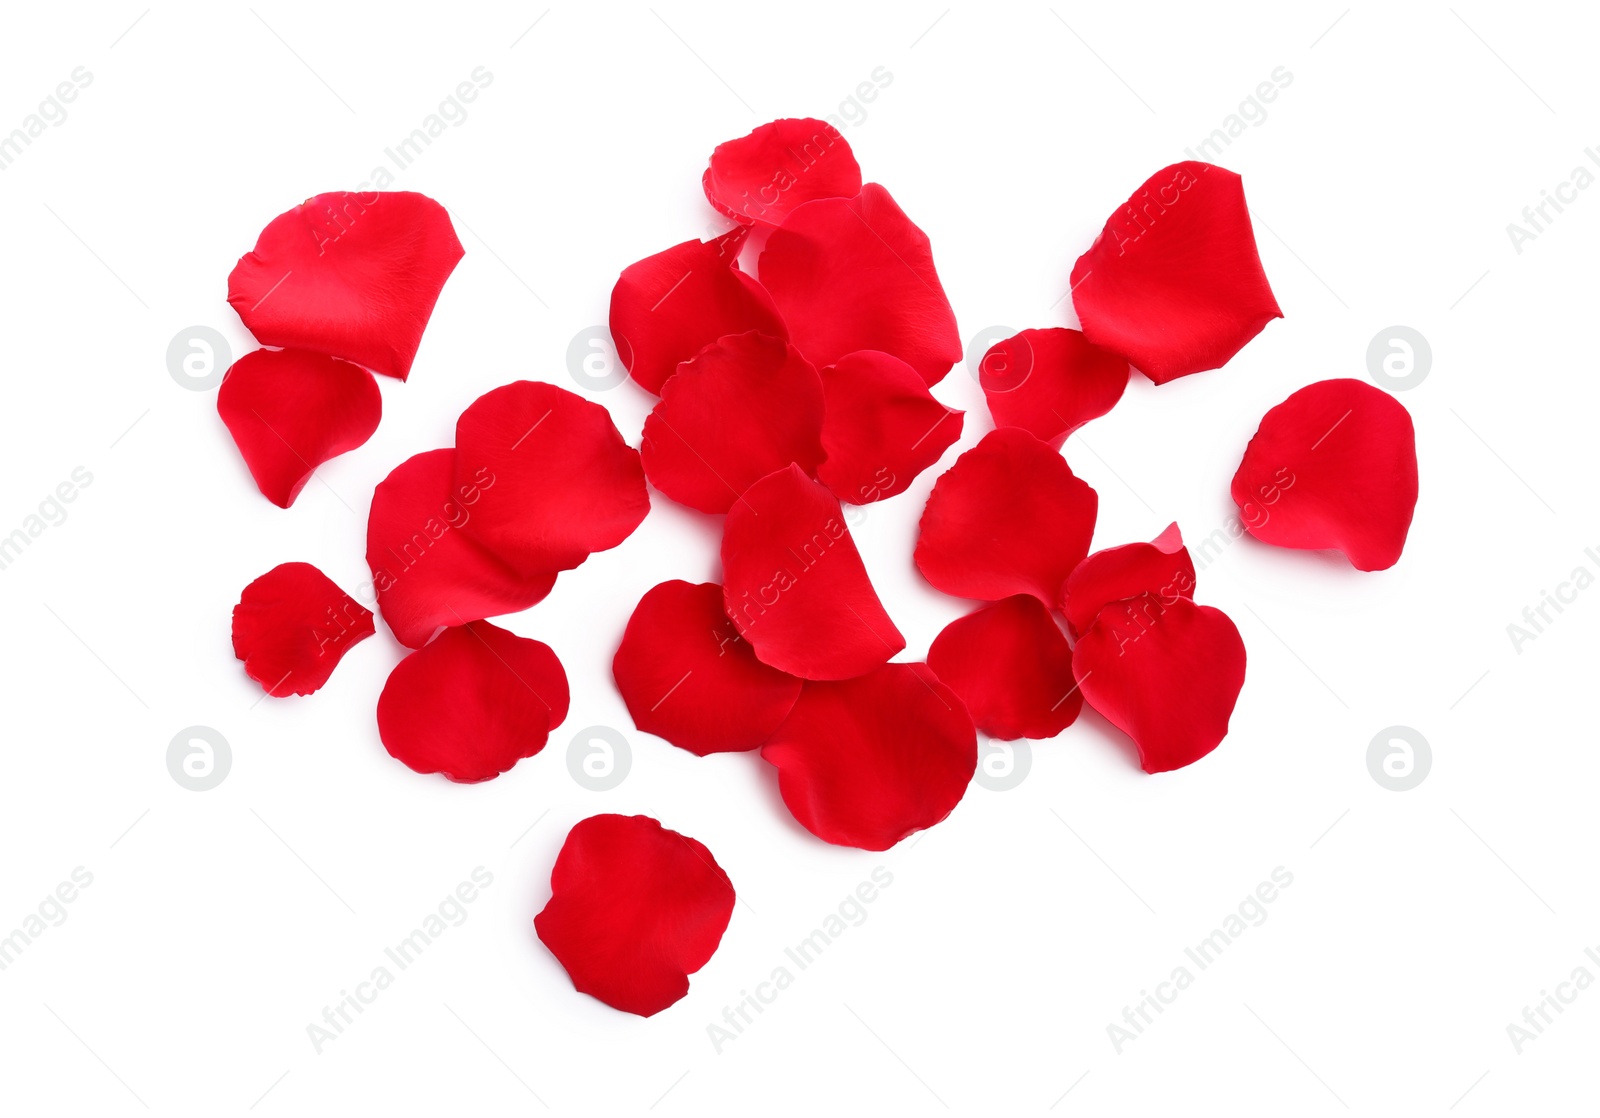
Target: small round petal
[555,479]
[865,762]
[746,405]
[668,307]
[1161,567]
[1167,676]
[472,703]
[428,573]
[352,275]
[634,910]
[293,625]
[1174,282]
[1011,665]
[1333,466]
[762,177]
[855,273]
[290,410]
[687,676]
[794,585]
[1050,382]
[1009,517]
[882,427]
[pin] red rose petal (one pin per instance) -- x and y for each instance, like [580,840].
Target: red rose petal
[670,306]
[293,625]
[290,410]
[472,703]
[762,177]
[794,585]
[558,481]
[350,275]
[1009,517]
[1334,465]
[865,762]
[687,676]
[855,273]
[744,406]
[1167,676]
[1011,665]
[1174,282]
[634,910]
[1162,567]
[427,572]
[882,427]
[1050,382]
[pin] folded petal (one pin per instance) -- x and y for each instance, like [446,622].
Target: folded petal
[428,573]
[855,273]
[687,676]
[1333,466]
[472,703]
[867,761]
[1161,567]
[1011,665]
[293,625]
[352,275]
[634,910]
[882,426]
[670,306]
[1050,382]
[794,585]
[1174,282]
[762,177]
[744,406]
[1166,675]
[290,410]
[1009,517]
[556,478]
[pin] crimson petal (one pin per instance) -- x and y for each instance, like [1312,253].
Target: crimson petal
[293,625]
[634,910]
[350,275]
[1050,382]
[1161,567]
[1011,665]
[882,426]
[762,177]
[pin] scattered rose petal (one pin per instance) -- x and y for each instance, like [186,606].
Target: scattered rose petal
[290,410]
[350,275]
[1011,665]
[1050,382]
[762,177]
[428,573]
[293,625]
[744,406]
[1008,518]
[670,306]
[794,584]
[882,427]
[1161,567]
[1167,676]
[634,910]
[472,703]
[556,478]
[687,676]
[1174,282]
[855,273]
[867,761]
[1334,465]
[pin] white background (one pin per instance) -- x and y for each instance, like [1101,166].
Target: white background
[220,923]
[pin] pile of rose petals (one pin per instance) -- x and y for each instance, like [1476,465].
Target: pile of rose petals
[784,394]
